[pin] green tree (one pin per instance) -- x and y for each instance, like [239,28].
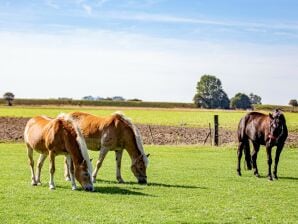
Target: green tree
[210,93]
[255,99]
[9,97]
[293,103]
[240,101]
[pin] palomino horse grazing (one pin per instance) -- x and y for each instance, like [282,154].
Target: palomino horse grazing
[269,130]
[51,137]
[116,133]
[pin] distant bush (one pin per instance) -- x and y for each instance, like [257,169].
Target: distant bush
[60,102]
[272,107]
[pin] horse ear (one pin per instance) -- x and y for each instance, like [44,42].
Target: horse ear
[148,155]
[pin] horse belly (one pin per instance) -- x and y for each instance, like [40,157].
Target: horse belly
[93,144]
[40,148]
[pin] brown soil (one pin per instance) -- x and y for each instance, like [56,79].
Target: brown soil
[11,129]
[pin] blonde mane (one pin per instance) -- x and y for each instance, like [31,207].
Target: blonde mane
[137,136]
[80,139]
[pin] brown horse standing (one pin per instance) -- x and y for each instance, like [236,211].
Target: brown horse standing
[116,133]
[51,137]
[269,130]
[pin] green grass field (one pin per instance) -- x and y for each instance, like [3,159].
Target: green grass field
[176,117]
[187,184]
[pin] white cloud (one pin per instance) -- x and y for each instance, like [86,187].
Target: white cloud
[164,18]
[52,4]
[87,9]
[101,2]
[104,63]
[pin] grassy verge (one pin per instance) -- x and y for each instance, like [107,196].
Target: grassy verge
[186,185]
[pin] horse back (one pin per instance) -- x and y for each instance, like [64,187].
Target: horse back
[98,131]
[44,134]
[254,126]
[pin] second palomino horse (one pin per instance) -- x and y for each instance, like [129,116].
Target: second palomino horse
[114,132]
[51,137]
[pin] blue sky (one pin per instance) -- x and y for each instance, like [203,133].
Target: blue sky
[155,50]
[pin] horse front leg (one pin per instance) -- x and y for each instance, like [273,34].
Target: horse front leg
[239,155]
[118,154]
[277,154]
[102,154]
[70,168]
[40,163]
[31,164]
[254,157]
[269,161]
[52,171]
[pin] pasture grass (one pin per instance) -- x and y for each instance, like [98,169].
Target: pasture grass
[187,184]
[228,119]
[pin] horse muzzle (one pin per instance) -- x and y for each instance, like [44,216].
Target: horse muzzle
[142,180]
[88,187]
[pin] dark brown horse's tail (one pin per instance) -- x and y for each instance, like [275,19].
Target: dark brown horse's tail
[247,155]
[242,137]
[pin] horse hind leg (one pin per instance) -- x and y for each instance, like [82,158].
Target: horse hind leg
[254,157]
[31,164]
[102,154]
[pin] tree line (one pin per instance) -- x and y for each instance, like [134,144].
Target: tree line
[211,95]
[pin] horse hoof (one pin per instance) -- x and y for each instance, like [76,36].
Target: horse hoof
[257,175]
[34,184]
[39,183]
[73,188]
[121,181]
[239,174]
[52,187]
[67,178]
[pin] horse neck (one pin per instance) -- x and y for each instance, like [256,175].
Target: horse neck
[73,147]
[130,143]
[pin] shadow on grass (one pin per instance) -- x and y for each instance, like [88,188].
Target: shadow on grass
[289,178]
[102,190]
[156,184]
[118,190]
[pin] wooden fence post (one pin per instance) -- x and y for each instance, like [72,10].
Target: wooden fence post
[152,139]
[216,130]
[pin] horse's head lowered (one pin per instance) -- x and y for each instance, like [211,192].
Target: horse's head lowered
[139,167]
[76,143]
[83,176]
[277,124]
